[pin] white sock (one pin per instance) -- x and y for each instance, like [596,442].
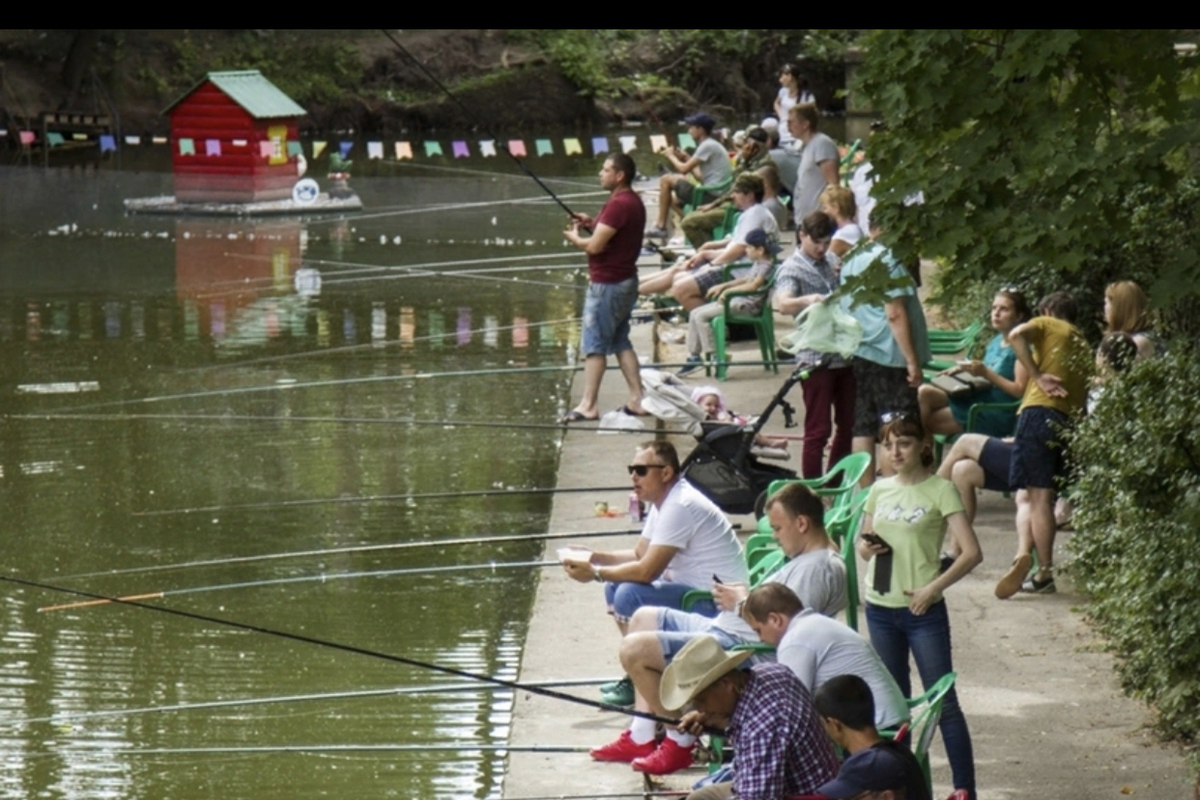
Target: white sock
[684,740]
[641,730]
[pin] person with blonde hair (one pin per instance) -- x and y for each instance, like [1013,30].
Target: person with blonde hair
[838,202]
[1125,311]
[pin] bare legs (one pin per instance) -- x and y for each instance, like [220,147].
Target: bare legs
[594,367]
[935,411]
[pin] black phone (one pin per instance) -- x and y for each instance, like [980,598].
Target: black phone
[716,579]
[875,539]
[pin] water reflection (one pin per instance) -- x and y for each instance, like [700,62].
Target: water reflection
[149,365]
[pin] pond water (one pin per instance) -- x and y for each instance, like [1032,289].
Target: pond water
[201,390]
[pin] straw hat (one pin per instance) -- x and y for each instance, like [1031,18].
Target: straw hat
[695,667]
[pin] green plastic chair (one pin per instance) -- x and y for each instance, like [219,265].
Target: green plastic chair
[706,194]
[763,323]
[847,472]
[949,342]
[925,710]
[731,217]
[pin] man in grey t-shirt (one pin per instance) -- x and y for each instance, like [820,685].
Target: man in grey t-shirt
[818,160]
[710,164]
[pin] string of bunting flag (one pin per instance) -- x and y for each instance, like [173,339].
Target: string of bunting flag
[375,149]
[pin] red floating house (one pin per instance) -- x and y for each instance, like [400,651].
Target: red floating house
[234,139]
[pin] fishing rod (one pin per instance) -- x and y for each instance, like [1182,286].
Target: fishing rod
[323,577]
[360,548]
[372,498]
[349,648]
[338,748]
[398,691]
[485,173]
[439,423]
[406,211]
[470,115]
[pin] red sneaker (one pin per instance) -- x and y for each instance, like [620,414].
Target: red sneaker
[669,757]
[624,750]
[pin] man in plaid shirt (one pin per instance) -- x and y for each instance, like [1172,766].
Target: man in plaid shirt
[781,748]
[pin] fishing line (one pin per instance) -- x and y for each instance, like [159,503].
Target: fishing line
[371,498]
[449,688]
[359,548]
[465,373]
[336,748]
[324,577]
[490,174]
[470,114]
[522,201]
[446,424]
[348,648]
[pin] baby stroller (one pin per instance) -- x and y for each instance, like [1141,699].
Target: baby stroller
[723,466]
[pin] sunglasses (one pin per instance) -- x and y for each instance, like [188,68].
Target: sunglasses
[641,470]
[888,417]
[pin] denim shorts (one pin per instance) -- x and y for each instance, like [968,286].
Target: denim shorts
[606,317]
[676,628]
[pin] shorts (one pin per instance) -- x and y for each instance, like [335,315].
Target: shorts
[676,628]
[1039,454]
[996,460]
[685,190]
[706,278]
[606,313]
[880,390]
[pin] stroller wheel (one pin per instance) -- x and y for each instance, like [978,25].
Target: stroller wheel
[760,506]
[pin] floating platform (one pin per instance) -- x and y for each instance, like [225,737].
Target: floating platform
[166,204]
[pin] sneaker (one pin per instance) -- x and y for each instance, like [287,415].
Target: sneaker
[669,757]
[693,363]
[1034,586]
[959,794]
[1010,584]
[624,750]
[621,693]
[657,233]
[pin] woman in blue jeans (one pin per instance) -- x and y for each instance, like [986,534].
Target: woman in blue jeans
[907,517]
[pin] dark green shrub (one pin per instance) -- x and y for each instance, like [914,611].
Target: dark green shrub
[1137,545]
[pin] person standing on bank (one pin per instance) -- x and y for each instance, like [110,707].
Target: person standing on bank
[907,517]
[612,249]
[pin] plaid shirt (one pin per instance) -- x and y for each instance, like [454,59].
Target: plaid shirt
[780,747]
[800,275]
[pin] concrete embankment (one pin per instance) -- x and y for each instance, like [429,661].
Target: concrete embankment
[1046,716]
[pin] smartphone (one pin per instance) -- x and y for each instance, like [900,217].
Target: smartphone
[875,539]
[716,580]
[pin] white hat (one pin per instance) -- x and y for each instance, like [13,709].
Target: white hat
[698,665]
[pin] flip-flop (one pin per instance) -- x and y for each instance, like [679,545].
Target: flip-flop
[575,416]
[630,412]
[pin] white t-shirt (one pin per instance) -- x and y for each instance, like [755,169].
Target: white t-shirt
[756,216]
[706,544]
[817,648]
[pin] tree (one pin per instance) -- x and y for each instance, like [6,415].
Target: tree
[1027,146]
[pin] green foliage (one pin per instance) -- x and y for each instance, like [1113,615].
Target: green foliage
[1137,540]
[1028,146]
[589,59]
[307,66]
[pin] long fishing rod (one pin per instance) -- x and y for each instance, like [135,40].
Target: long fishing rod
[208,705]
[372,498]
[360,548]
[416,376]
[338,748]
[438,423]
[323,577]
[419,165]
[468,206]
[347,648]
[470,114]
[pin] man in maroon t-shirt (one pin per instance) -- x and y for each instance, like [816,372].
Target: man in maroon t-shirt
[612,248]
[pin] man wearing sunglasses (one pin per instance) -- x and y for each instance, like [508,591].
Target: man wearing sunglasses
[686,542]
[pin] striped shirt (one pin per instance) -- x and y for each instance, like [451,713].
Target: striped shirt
[800,275]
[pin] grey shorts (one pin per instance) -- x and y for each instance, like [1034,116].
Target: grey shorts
[879,390]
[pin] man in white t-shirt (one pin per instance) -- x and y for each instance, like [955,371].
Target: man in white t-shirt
[814,570]
[817,648]
[685,541]
[819,161]
[710,164]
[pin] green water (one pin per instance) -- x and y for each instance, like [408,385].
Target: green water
[181,390]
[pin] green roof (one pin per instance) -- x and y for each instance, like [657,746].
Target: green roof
[250,90]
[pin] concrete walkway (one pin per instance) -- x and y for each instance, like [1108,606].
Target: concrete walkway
[1047,718]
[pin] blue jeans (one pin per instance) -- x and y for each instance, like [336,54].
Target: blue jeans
[627,597]
[606,311]
[897,631]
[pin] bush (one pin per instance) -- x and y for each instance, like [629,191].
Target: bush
[1137,545]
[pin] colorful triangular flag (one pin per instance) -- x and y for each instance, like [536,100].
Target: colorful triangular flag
[516,147]
[318,147]
[544,148]
[131,139]
[54,138]
[403,150]
[266,148]
[374,150]
[487,147]
[344,148]
[460,149]
[187,147]
[294,149]
[108,143]
[212,147]
[599,145]
[686,141]
[572,147]
[433,148]
[628,143]
[658,142]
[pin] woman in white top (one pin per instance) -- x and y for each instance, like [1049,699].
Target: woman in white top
[838,202]
[793,89]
